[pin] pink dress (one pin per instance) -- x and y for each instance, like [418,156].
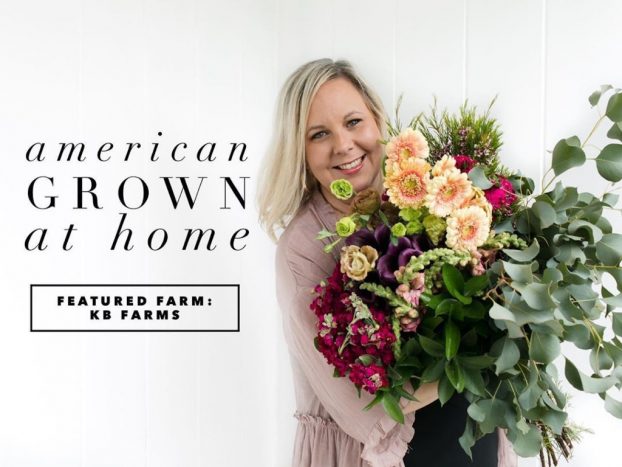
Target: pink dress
[333,430]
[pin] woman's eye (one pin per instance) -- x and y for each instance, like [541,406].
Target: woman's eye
[318,135]
[354,121]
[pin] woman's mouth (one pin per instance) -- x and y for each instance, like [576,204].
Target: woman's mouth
[352,166]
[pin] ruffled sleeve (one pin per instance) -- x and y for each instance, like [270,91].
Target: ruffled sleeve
[300,265]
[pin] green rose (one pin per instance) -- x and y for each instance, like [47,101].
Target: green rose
[414,227]
[342,189]
[410,214]
[345,226]
[399,229]
[435,228]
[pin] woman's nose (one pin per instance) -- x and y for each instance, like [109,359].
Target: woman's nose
[343,143]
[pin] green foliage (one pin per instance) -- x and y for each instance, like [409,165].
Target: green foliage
[468,133]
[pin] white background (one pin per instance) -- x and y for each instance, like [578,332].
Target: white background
[120,71]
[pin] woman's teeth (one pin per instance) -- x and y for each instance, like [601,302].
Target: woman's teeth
[351,165]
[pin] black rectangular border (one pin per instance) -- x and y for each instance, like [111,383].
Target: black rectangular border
[237,286]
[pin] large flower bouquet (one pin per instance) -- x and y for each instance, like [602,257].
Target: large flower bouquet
[459,272]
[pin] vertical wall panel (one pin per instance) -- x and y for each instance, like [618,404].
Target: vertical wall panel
[363,34]
[306,32]
[429,56]
[504,58]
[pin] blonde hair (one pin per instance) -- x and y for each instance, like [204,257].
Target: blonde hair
[286,184]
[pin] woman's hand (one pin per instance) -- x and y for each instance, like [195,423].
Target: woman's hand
[426,394]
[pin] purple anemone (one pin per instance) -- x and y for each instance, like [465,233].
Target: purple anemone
[390,257]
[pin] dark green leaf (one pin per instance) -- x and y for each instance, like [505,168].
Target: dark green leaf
[567,154]
[475,284]
[454,282]
[448,307]
[454,373]
[475,310]
[431,347]
[478,362]
[609,162]
[474,382]
[378,398]
[617,323]
[452,339]
[391,406]
[434,372]
[445,390]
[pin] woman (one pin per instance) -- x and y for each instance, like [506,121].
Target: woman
[329,124]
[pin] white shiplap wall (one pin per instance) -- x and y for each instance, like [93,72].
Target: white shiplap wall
[205,70]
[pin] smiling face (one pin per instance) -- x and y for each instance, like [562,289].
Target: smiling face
[342,139]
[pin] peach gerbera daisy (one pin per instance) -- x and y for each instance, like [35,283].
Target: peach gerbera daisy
[407,186]
[479,200]
[467,228]
[408,144]
[448,192]
[444,165]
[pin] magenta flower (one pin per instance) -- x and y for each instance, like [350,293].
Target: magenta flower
[464,163]
[501,197]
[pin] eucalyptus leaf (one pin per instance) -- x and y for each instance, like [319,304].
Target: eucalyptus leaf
[609,249]
[510,355]
[528,444]
[585,383]
[528,254]
[538,296]
[544,212]
[467,440]
[585,229]
[478,176]
[615,132]
[595,96]
[613,406]
[518,272]
[609,162]
[614,107]
[567,154]
[544,348]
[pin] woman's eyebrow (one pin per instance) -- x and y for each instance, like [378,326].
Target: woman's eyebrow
[345,117]
[349,114]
